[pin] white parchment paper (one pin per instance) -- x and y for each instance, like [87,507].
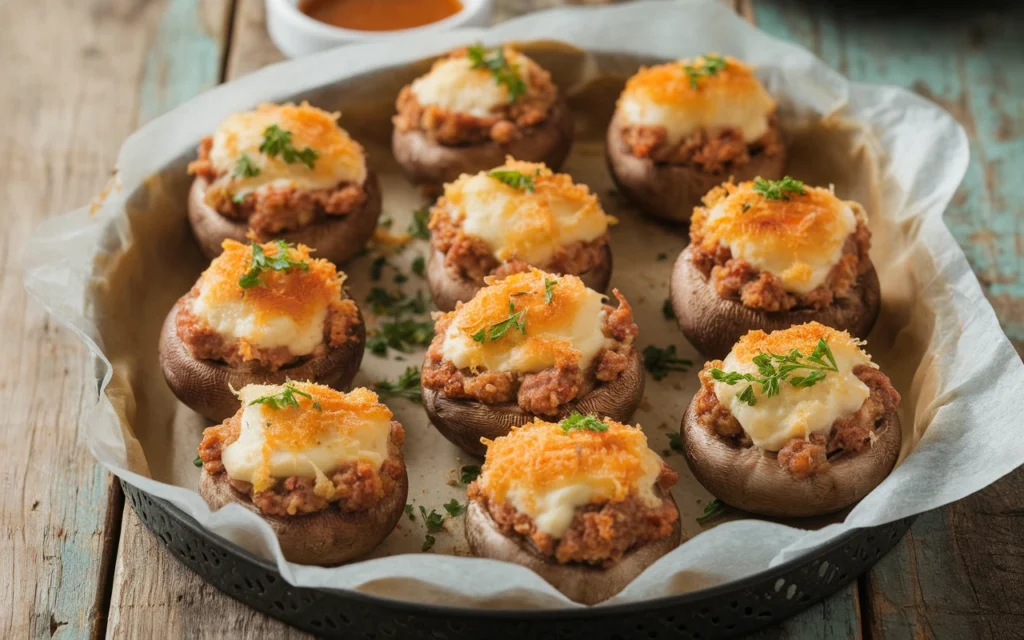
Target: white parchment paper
[113,273]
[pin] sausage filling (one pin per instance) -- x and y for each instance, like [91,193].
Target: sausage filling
[204,343]
[600,534]
[542,392]
[805,457]
[357,486]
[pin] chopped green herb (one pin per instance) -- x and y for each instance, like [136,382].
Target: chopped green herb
[385,303]
[401,335]
[244,167]
[746,207]
[418,227]
[549,293]
[514,179]
[454,508]
[428,543]
[667,310]
[675,441]
[775,369]
[469,473]
[581,422]
[408,512]
[419,266]
[778,189]
[712,65]
[286,398]
[504,73]
[198,461]
[278,141]
[407,386]
[713,509]
[385,223]
[661,361]
[498,331]
[261,262]
[433,520]
[401,278]
[377,267]
[238,197]
[662,257]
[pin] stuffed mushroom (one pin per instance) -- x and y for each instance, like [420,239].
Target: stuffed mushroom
[532,344]
[260,314]
[769,254]
[322,467]
[583,502]
[682,127]
[793,423]
[474,107]
[284,172]
[508,219]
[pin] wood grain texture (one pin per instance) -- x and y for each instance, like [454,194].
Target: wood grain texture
[837,618]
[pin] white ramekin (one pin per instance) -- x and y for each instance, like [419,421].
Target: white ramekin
[296,34]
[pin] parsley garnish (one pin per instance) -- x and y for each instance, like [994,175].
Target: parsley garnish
[454,508]
[418,227]
[401,335]
[713,509]
[498,331]
[549,293]
[514,179]
[428,542]
[746,207]
[778,189]
[385,303]
[278,142]
[261,262]
[244,168]
[675,441]
[198,462]
[419,266]
[408,512]
[660,361]
[407,386]
[495,62]
[712,65]
[662,257]
[377,267]
[285,398]
[581,422]
[433,520]
[775,369]
[667,310]
[469,473]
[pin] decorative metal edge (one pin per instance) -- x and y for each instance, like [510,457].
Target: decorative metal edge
[724,611]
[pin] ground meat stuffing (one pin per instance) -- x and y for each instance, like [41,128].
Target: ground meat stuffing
[600,534]
[541,392]
[505,125]
[721,153]
[469,257]
[805,457]
[738,279]
[274,209]
[357,485]
[204,343]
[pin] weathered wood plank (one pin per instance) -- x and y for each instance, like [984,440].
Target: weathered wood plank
[959,573]
[251,47]
[837,618]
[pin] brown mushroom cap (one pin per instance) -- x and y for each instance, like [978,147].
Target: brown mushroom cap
[447,289]
[338,238]
[580,582]
[465,421]
[327,537]
[713,324]
[752,479]
[205,386]
[671,191]
[431,163]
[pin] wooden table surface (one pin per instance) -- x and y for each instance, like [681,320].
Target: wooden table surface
[80,75]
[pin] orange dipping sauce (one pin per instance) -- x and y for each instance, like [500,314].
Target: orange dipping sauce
[379,15]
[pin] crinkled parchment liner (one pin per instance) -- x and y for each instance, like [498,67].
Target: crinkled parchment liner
[114,274]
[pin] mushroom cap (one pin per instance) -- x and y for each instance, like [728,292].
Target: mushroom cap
[752,479]
[671,191]
[580,582]
[713,324]
[205,386]
[430,163]
[338,238]
[447,289]
[327,537]
[465,421]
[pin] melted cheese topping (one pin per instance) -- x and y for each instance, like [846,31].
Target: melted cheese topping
[340,159]
[547,473]
[565,330]
[305,441]
[798,240]
[662,96]
[795,412]
[529,225]
[453,85]
[288,309]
